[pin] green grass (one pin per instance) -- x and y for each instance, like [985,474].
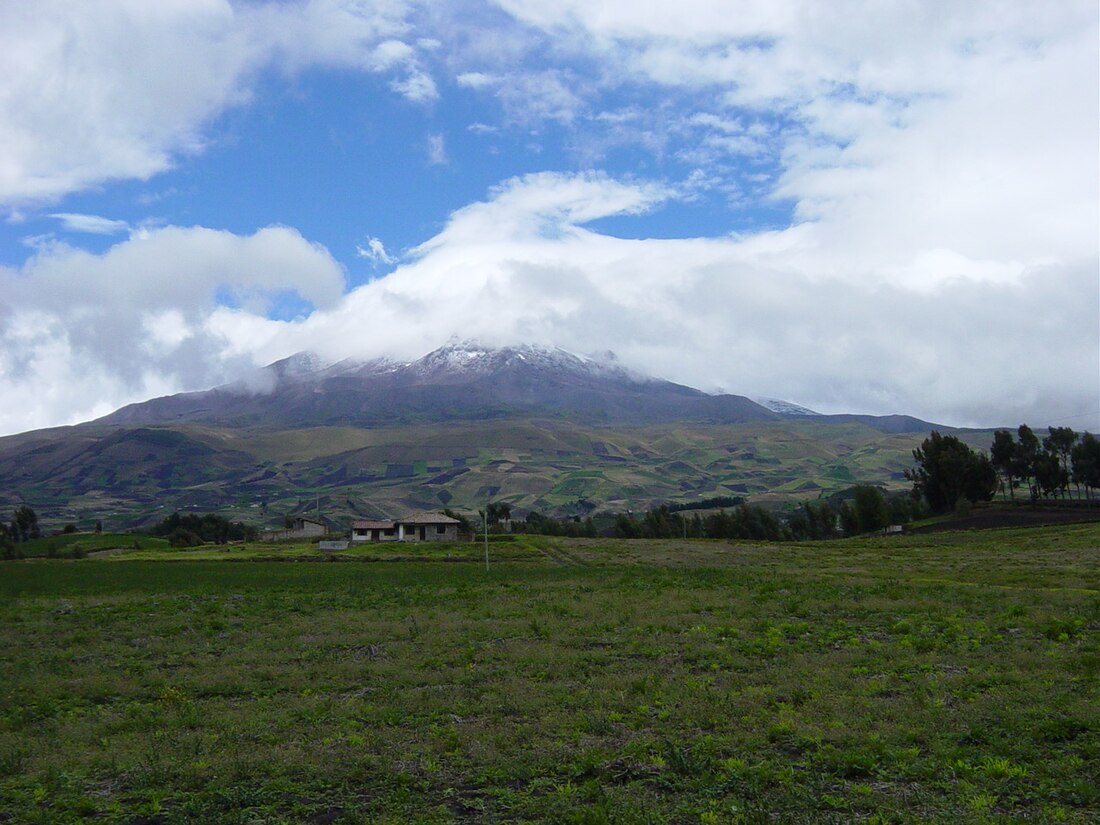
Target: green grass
[946,678]
[65,543]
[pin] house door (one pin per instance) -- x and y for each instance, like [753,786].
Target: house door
[422,536]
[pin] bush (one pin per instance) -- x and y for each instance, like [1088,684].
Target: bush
[182,537]
[197,529]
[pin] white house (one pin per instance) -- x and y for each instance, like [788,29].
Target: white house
[419,527]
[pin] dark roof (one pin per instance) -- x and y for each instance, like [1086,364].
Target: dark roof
[427,518]
[415,518]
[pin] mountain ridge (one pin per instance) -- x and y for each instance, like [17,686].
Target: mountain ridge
[459,381]
[467,381]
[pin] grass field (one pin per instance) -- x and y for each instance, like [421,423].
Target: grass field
[65,544]
[945,678]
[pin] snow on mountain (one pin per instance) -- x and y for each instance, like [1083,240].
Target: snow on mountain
[468,359]
[784,407]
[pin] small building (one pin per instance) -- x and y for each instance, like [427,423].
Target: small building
[418,527]
[302,528]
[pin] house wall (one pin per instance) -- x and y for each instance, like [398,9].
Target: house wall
[373,534]
[407,532]
[309,528]
[309,531]
[431,532]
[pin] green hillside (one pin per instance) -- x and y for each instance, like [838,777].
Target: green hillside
[132,477]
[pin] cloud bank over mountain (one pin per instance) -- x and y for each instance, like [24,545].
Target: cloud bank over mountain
[900,203]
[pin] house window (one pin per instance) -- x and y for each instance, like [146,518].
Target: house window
[440,529]
[388,531]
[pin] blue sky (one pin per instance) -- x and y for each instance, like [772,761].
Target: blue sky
[859,207]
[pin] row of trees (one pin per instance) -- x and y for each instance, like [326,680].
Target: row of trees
[949,473]
[539,525]
[742,522]
[859,509]
[1047,467]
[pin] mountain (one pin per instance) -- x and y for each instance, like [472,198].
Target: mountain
[458,382]
[541,428]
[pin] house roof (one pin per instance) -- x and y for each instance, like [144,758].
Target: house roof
[427,518]
[415,518]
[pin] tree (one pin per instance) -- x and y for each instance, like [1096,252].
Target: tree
[1086,463]
[849,519]
[1050,477]
[813,521]
[947,470]
[627,527]
[24,524]
[871,508]
[1003,457]
[197,529]
[464,525]
[7,544]
[1060,442]
[498,511]
[1027,450]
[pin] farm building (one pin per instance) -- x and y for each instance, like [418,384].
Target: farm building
[419,527]
[303,528]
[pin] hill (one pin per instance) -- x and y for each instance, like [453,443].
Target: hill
[542,429]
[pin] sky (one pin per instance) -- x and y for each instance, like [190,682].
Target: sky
[873,207]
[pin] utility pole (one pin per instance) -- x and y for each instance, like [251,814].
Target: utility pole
[485,529]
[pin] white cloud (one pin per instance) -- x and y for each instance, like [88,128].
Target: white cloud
[115,89]
[753,315]
[437,150]
[375,251]
[765,314]
[918,127]
[92,224]
[941,159]
[83,333]
[475,80]
[416,86]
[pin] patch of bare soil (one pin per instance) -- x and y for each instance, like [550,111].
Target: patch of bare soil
[1020,516]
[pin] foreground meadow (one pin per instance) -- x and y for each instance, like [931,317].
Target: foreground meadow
[950,678]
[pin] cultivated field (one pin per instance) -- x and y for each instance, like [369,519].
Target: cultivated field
[945,678]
